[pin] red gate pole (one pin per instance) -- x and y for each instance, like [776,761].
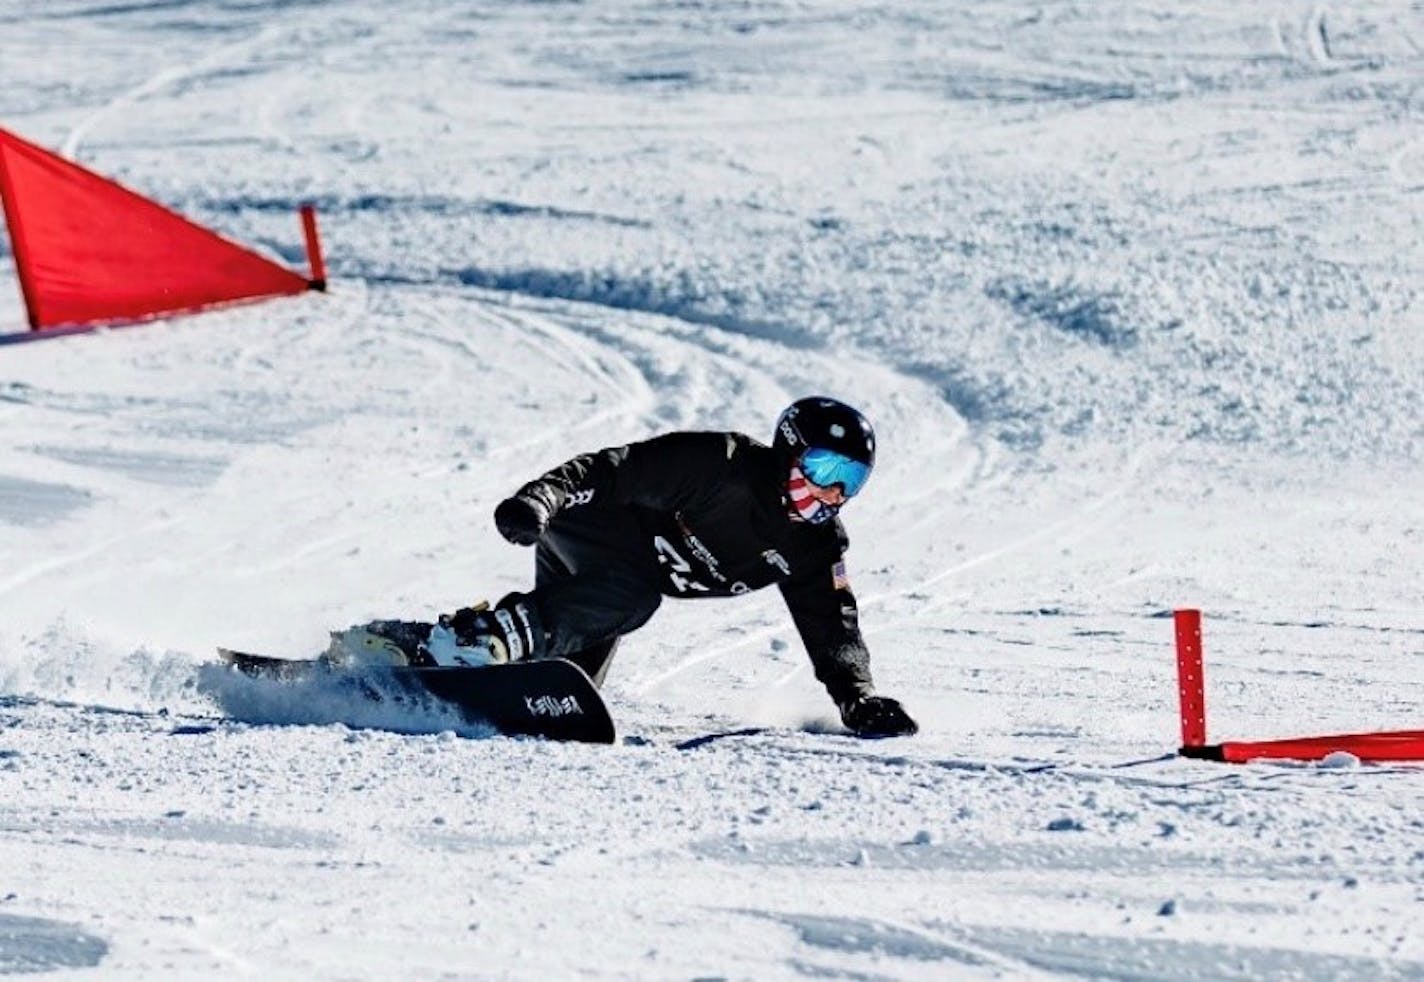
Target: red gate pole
[1191,684]
[314,260]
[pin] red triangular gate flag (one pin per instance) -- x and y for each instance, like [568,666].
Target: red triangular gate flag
[90,251]
[1393,745]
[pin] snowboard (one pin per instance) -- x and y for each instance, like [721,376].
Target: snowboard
[551,698]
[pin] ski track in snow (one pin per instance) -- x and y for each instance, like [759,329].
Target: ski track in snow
[1129,291]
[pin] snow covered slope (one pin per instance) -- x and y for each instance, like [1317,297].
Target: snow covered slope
[1130,290]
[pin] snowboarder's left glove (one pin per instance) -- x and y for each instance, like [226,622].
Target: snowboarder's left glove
[877,716]
[520,520]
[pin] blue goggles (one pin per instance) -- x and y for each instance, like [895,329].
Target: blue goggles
[825,468]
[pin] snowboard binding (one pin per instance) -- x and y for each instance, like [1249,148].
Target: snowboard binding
[380,644]
[470,637]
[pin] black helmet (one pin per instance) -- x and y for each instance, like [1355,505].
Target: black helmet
[822,424]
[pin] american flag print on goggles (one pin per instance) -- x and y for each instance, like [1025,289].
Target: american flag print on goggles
[825,468]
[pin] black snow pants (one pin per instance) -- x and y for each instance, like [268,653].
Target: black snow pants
[596,579]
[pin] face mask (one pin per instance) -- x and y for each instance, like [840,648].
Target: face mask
[804,505]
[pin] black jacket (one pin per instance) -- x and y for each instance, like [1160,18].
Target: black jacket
[714,511]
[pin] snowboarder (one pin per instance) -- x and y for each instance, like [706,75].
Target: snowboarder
[686,514]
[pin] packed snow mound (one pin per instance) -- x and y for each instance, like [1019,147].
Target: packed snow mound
[951,205]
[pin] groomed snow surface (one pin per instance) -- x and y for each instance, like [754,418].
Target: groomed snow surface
[1130,290]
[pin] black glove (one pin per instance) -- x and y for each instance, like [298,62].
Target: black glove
[877,716]
[520,521]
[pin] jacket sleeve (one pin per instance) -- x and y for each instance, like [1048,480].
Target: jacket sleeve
[825,613]
[665,473]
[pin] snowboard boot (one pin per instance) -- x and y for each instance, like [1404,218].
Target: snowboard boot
[509,632]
